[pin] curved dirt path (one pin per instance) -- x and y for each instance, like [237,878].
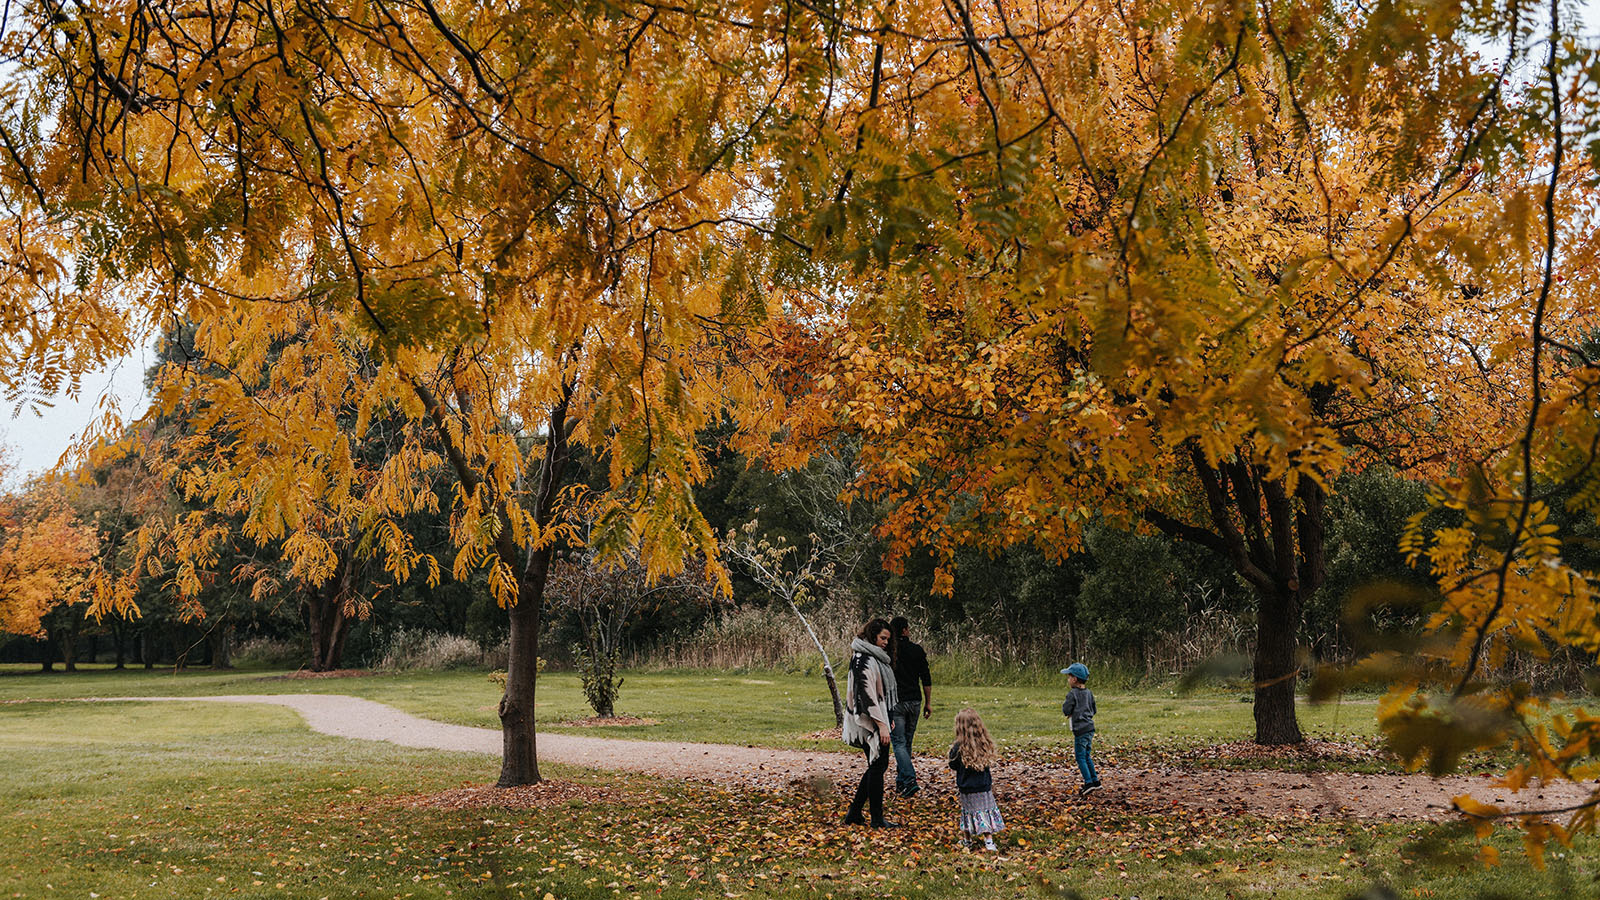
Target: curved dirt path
[1264,793]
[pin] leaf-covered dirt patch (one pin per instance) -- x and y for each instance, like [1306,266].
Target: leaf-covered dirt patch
[607,722]
[544,795]
[1342,754]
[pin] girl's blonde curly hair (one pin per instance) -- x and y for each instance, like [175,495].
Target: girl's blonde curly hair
[973,741]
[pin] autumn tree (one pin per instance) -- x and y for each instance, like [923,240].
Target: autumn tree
[536,250]
[46,559]
[1170,268]
[1506,535]
[796,574]
[115,498]
[219,541]
[607,596]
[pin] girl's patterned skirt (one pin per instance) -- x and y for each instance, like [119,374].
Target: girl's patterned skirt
[980,814]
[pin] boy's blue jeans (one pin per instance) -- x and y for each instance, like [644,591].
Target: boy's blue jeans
[904,719]
[1080,748]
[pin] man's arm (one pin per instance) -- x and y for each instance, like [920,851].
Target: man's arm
[927,687]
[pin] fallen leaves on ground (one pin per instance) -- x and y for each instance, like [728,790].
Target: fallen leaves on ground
[544,795]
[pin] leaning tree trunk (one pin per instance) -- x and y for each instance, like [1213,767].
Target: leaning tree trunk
[827,665]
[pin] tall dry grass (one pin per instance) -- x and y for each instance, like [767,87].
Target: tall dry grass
[770,638]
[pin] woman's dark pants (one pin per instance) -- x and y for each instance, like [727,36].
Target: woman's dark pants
[870,791]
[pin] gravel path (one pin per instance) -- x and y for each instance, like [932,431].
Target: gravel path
[1268,793]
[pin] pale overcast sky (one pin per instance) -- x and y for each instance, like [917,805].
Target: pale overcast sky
[37,441]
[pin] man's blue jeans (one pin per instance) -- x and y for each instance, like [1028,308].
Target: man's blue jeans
[1080,748]
[903,727]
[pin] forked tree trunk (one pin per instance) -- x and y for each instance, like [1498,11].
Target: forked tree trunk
[519,764]
[328,621]
[1274,539]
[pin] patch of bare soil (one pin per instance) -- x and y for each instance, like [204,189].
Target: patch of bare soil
[331,673]
[1313,755]
[826,734]
[544,795]
[1311,750]
[607,722]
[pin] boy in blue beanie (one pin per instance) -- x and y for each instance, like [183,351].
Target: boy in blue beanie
[1079,709]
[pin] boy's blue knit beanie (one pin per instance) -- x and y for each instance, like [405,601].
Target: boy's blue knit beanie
[1078,671]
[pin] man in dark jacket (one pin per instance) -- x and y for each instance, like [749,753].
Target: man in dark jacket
[916,702]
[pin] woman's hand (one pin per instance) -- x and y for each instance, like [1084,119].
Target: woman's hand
[883,736]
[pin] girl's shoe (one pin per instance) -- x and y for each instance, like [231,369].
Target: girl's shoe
[988,843]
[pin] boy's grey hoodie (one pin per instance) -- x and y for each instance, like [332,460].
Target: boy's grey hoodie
[1079,707]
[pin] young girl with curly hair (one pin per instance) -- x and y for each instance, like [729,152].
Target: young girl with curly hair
[971,756]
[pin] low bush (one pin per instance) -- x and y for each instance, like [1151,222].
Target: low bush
[269,653]
[408,650]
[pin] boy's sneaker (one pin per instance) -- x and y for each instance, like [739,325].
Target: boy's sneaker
[1089,788]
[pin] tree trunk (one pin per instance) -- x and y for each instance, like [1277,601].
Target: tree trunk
[827,664]
[1276,668]
[327,620]
[833,688]
[222,646]
[519,762]
[1274,539]
[119,643]
[69,649]
[147,647]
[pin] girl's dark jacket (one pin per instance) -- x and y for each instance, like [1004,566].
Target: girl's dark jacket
[969,781]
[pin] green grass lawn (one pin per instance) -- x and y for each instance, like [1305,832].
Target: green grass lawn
[769,710]
[175,800]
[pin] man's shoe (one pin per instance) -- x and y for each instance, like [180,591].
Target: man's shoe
[855,820]
[909,792]
[883,823]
